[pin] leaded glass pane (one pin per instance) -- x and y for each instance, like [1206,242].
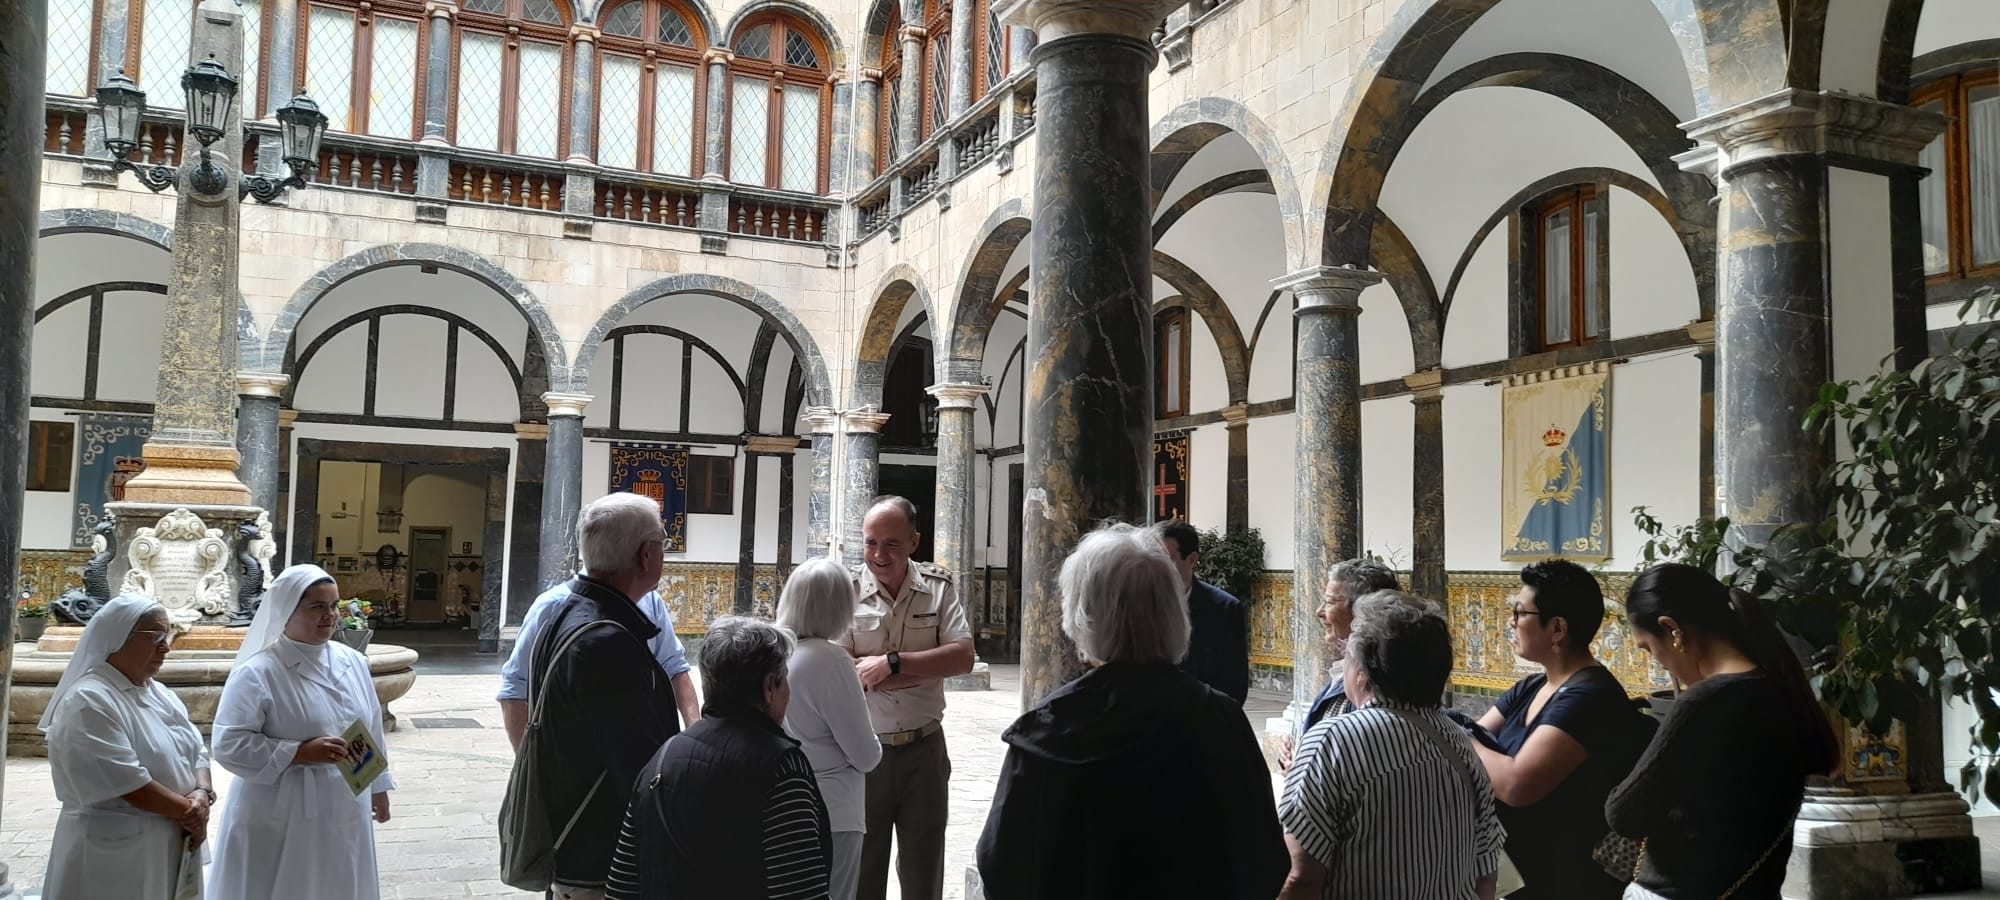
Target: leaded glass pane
[544,11]
[1555,278]
[674,29]
[940,81]
[479,74]
[1593,231]
[799,51]
[330,63]
[250,91]
[1982,127]
[618,113]
[163,55]
[799,170]
[749,128]
[755,43]
[494,7]
[538,118]
[68,67]
[625,21]
[1933,199]
[892,135]
[392,80]
[996,49]
[673,119]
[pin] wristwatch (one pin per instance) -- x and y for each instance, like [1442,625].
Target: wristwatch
[895,663]
[210,792]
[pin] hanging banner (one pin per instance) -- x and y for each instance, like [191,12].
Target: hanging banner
[1170,476]
[659,472]
[1555,460]
[108,455]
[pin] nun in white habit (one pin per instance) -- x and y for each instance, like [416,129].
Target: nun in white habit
[128,765]
[293,828]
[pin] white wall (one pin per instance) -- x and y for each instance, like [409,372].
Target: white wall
[1644,50]
[1208,476]
[1946,23]
[1475,330]
[45,515]
[1472,478]
[409,374]
[1652,283]
[1271,348]
[1386,351]
[710,538]
[1388,429]
[1273,454]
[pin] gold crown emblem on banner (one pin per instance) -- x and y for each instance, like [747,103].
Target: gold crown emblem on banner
[649,475]
[1554,437]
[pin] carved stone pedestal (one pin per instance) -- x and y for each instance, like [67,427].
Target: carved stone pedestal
[183,556]
[1854,846]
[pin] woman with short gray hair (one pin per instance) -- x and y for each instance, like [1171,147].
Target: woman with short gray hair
[728,808]
[1388,800]
[1175,759]
[828,713]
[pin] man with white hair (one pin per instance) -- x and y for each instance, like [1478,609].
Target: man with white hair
[612,705]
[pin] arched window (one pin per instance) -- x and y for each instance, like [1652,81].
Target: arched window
[889,120]
[778,105]
[158,48]
[995,53]
[363,65]
[1170,363]
[72,45]
[937,65]
[1961,196]
[650,84]
[513,66]
[1566,248]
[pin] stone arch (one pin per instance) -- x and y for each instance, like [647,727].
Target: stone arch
[1200,297]
[979,289]
[704,16]
[878,334]
[819,392]
[1403,268]
[805,12]
[875,30]
[104,221]
[1187,128]
[270,353]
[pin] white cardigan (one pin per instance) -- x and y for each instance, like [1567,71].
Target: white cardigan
[830,717]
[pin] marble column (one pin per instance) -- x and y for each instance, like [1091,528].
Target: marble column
[1326,505]
[191,456]
[1236,515]
[280,60]
[910,111]
[865,146]
[715,156]
[1021,50]
[562,487]
[820,422]
[965,54]
[583,94]
[952,543]
[864,445]
[1704,354]
[1427,571]
[23,43]
[437,71]
[258,398]
[1089,443]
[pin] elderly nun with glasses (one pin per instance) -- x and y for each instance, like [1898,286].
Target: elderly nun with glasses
[128,764]
[1136,779]
[294,827]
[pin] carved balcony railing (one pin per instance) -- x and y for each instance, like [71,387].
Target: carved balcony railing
[872,211]
[988,132]
[501,185]
[654,204]
[367,170]
[758,215]
[977,140]
[64,131]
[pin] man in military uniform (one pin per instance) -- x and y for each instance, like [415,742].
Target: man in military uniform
[910,634]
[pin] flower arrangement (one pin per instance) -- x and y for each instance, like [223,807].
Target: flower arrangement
[31,607]
[355,613]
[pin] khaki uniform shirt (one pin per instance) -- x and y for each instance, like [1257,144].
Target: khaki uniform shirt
[925,615]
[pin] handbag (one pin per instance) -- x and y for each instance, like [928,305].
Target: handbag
[1640,860]
[527,846]
[1618,856]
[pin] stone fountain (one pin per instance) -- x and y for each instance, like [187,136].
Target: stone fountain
[210,585]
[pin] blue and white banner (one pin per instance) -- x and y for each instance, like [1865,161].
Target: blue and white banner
[660,472]
[108,455]
[1555,460]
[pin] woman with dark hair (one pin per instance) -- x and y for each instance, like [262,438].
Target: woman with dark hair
[1714,796]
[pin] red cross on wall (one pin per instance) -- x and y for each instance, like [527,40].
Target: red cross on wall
[1163,490]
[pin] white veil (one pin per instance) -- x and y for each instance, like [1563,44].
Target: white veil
[107,631]
[279,603]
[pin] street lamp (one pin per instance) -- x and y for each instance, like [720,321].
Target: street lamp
[210,93]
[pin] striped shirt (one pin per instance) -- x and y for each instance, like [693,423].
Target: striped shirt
[796,858]
[1373,797]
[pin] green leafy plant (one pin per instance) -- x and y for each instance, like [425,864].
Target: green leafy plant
[354,613]
[31,607]
[1231,561]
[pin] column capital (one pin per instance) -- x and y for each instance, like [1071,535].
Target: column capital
[718,55]
[585,33]
[770,444]
[562,403]
[912,33]
[1702,332]
[819,419]
[261,384]
[1236,416]
[287,417]
[440,9]
[1819,123]
[1425,385]
[957,396]
[1054,19]
[531,431]
[871,75]
[865,421]
[1336,288]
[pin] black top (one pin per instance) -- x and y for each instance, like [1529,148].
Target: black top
[1173,764]
[1551,841]
[1719,785]
[612,708]
[1219,644]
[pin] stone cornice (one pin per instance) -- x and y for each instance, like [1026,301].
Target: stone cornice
[871,74]
[583,32]
[566,404]
[865,421]
[819,419]
[1055,19]
[770,445]
[957,396]
[718,55]
[261,384]
[1328,287]
[912,33]
[1794,122]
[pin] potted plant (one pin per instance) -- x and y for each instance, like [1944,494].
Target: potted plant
[355,629]
[31,616]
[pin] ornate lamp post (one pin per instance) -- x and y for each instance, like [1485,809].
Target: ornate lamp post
[211,92]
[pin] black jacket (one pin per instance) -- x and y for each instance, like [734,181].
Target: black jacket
[612,708]
[1219,646]
[1133,781]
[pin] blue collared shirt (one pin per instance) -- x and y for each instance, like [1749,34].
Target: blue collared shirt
[666,645]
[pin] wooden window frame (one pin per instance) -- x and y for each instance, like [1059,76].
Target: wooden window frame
[708,466]
[513,28]
[50,471]
[1954,93]
[1171,400]
[783,77]
[982,24]
[937,33]
[892,74]
[363,63]
[652,53]
[1574,199]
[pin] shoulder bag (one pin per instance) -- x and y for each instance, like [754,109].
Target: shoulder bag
[527,845]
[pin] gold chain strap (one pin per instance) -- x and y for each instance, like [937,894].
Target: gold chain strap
[1640,863]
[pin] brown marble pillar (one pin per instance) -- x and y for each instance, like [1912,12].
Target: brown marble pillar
[1427,571]
[1089,426]
[562,488]
[910,95]
[1236,515]
[1326,518]
[863,458]
[820,423]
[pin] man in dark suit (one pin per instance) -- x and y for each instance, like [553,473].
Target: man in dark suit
[1219,645]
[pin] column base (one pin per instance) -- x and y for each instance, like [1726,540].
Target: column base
[979,679]
[189,476]
[1861,847]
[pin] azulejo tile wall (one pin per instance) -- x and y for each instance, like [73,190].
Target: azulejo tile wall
[49,573]
[698,593]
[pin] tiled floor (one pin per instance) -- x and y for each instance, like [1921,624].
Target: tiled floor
[441,842]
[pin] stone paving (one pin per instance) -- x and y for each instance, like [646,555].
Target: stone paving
[441,841]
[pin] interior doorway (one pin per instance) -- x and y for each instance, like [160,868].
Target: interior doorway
[918,484]
[430,567]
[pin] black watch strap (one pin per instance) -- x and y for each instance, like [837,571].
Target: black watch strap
[895,662]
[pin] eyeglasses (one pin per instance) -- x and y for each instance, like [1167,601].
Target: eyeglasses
[159,638]
[1519,612]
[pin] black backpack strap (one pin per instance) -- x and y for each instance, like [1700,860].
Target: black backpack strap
[535,715]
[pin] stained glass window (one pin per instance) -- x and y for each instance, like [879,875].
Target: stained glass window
[330,63]
[481,68]
[618,112]
[749,128]
[799,51]
[392,80]
[673,120]
[538,126]
[68,67]
[167,31]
